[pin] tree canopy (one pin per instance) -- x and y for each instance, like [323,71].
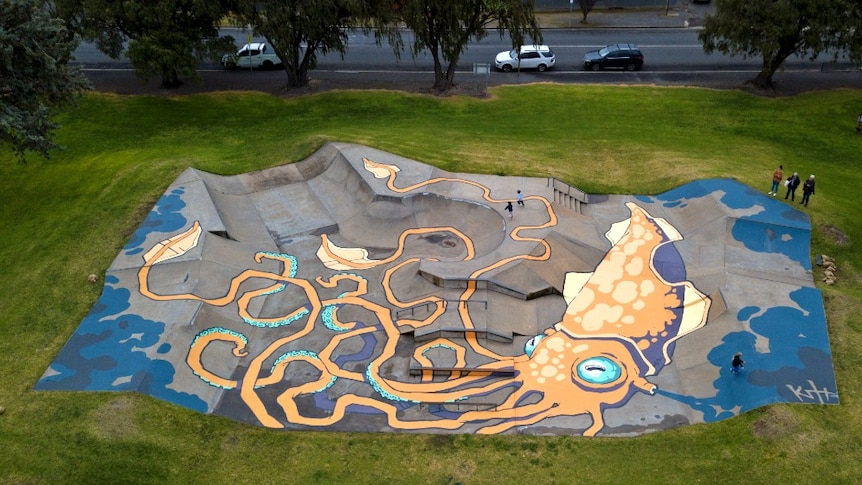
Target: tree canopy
[445,27]
[35,76]
[776,29]
[164,39]
[298,29]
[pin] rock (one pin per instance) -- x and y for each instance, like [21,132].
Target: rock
[2,409]
[92,278]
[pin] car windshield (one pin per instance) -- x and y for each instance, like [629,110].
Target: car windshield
[513,54]
[604,51]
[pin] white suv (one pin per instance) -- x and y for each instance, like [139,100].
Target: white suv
[539,57]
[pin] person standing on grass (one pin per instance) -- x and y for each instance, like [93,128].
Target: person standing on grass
[777,177]
[737,363]
[807,190]
[792,182]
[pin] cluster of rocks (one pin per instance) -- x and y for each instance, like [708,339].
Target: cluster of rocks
[829,269]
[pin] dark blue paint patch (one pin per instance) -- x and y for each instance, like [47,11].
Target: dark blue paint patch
[369,342]
[669,264]
[164,348]
[363,409]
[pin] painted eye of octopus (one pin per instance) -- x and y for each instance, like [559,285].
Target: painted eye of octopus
[619,327]
[598,370]
[531,344]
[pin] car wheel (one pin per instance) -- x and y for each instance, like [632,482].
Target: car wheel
[507,68]
[267,65]
[595,67]
[630,66]
[542,67]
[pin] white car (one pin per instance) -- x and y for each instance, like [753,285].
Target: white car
[256,55]
[539,57]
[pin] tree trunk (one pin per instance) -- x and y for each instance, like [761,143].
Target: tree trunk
[297,77]
[586,8]
[442,80]
[771,63]
[170,78]
[763,80]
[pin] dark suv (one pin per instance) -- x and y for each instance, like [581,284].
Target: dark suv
[623,56]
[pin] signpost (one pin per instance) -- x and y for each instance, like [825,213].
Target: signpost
[248,52]
[482,69]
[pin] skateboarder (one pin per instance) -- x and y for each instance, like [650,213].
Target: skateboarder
[737,363]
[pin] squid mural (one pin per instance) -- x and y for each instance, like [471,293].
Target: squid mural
[619,327]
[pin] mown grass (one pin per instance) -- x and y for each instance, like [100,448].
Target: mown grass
[67,217]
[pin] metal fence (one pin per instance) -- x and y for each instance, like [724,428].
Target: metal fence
[545,5]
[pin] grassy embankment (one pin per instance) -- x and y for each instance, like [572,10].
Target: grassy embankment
[68,217]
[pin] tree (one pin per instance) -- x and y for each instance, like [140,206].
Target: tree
[445,27]
[776,29]
[586,8]
[849,38]
[35,76]
[165,38]
[298,29]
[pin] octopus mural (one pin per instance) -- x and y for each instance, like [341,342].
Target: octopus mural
[318,342]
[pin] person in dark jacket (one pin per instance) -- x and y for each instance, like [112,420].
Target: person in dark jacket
[737,363]
[807,190]
[792,182]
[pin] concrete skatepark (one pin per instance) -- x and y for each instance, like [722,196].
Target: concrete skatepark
[361,291]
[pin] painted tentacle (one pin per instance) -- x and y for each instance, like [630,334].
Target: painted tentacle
[247,386]
[201,341]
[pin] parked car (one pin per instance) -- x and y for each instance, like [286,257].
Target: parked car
[622,56]
[256,55]
[539,57]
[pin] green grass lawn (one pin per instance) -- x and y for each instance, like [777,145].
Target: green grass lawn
[67,217]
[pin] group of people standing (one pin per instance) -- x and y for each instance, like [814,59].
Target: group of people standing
[792,183]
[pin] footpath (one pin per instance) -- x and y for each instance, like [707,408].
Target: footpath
[685,15]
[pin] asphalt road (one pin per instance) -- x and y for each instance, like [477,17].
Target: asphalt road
[673,56]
